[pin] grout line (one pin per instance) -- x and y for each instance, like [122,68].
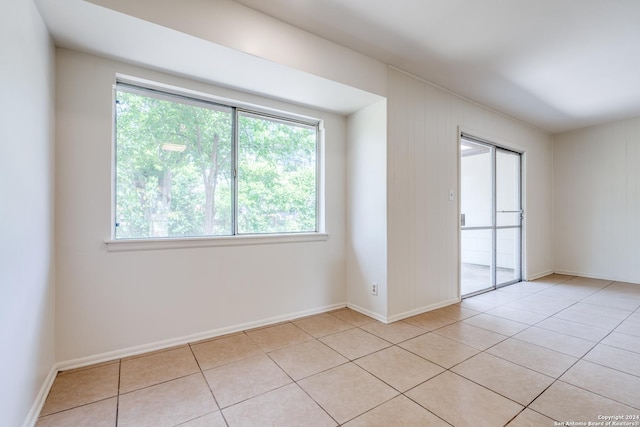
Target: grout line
[118,394]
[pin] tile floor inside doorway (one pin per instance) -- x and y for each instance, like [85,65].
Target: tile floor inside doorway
[560,348]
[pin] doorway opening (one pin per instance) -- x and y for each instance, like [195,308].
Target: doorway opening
[490,216]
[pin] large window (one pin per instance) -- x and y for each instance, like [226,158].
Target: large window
[187,167]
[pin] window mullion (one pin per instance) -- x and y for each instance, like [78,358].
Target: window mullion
[234,174]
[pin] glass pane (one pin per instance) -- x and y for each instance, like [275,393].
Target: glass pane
[475,184]
[173,167]
[276,176]
[476,259]
[507,255]
[507,188]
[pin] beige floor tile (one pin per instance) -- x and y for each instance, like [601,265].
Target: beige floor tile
[456,312]
[399,368]
[213,419]
[81,387]
[541,304]
[429,321]
[308,358]
[517,289]
[470,335]
[438,349]
[462,403]
[607,382]
[529,418]
[623,341]
[280,336]
[353,317]
[321,325]
[518,315]
[629,327]
[166,404]
[616,358]
[589,282]
[496,324]
[589,333]
[245,379]
[492,298]
[478,305]
[347,391]
[288,406]
[98,414]
[508,379]
[140,372]
[561,343]
[533,356]
[613,301]
[565,291]
[586,318]
[399,411]
[355,343]
[564,402]
[553,279]
[221,351]
[393,332]
[614,313]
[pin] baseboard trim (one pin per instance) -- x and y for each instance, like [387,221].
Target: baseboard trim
[379,317]
[421,310]
[595,276]
[161,345]
[539,275]
[32,417]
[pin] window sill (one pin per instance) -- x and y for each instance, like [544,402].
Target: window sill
[203,242]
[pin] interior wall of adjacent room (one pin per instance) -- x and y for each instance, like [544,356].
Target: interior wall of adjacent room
[26,217]
[367,209]
[108,301]
[597,201]
[423,245]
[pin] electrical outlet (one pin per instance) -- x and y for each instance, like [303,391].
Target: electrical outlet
[374,289]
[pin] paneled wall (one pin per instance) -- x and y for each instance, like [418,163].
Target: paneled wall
[597,201]
[423,245]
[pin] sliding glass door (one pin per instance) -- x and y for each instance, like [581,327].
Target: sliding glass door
[490,216]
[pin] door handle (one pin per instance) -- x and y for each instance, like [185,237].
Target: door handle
[463,220]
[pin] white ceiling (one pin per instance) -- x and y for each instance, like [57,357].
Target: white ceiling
[557,64]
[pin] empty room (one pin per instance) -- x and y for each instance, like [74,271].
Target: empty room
[320,213]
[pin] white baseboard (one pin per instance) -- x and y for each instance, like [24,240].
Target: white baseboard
[595,276]
[421,310]
[32,417]
[379,317]
[539,275]
[160,345]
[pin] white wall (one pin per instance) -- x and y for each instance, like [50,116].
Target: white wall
[423,242]
[597,201]
[110,301]
[26,212]
[367,209]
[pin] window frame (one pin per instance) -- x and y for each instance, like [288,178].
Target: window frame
[191,97]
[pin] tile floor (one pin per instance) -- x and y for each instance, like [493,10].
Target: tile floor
[558,349]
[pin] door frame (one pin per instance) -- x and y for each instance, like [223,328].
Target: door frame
[497,145]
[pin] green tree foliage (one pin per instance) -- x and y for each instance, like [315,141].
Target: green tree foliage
[174,170]
[277,176]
